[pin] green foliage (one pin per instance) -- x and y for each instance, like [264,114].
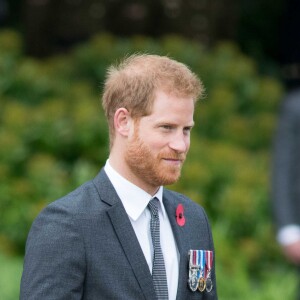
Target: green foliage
[53,137]
[10,276]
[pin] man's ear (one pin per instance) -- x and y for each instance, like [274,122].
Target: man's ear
[122,121]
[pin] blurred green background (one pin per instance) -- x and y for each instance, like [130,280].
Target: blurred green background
[53,137]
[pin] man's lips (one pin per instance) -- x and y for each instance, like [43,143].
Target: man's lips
[175,161]
[173,158]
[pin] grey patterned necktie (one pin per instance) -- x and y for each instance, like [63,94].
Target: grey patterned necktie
[158,265]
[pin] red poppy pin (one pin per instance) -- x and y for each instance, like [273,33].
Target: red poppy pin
[179,215]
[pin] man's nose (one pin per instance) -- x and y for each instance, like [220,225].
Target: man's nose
[180,143]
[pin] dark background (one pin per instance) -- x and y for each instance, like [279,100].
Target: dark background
[51,26]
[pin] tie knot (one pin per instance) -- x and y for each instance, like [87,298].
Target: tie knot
[153,206]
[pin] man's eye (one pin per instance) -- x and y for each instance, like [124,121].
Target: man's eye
[167,127]
[187,129]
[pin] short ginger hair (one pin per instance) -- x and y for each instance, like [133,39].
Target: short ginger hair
[133,82]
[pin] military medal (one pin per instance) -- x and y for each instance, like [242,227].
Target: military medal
[201,281]
[200,265]
[193,270]
[209,261]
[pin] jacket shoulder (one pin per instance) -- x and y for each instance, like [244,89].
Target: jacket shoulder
[195,210]
[180,198]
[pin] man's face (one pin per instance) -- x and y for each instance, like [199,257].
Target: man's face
[160,141]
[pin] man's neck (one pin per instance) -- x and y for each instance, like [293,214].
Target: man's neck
[123,169]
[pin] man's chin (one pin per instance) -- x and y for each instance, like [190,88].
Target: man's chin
[168,180]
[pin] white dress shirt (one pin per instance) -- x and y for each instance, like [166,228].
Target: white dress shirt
[289,234]
[135,201]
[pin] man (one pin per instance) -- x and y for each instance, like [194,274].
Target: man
[286,156]
[122,235]
[286,176]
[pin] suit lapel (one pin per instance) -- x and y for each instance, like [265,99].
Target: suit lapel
[182,244]
[126,235]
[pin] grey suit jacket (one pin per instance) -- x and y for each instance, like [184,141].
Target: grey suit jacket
[83,246]
[286,163]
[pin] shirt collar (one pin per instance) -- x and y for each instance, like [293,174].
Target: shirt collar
[134,199]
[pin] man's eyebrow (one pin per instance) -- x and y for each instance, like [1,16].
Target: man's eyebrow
[190,125]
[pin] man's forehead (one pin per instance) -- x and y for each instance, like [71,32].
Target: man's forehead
[172,110]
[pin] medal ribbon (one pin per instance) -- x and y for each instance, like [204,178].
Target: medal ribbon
[209,263]
[201,261]
[209,259]
[193,258]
